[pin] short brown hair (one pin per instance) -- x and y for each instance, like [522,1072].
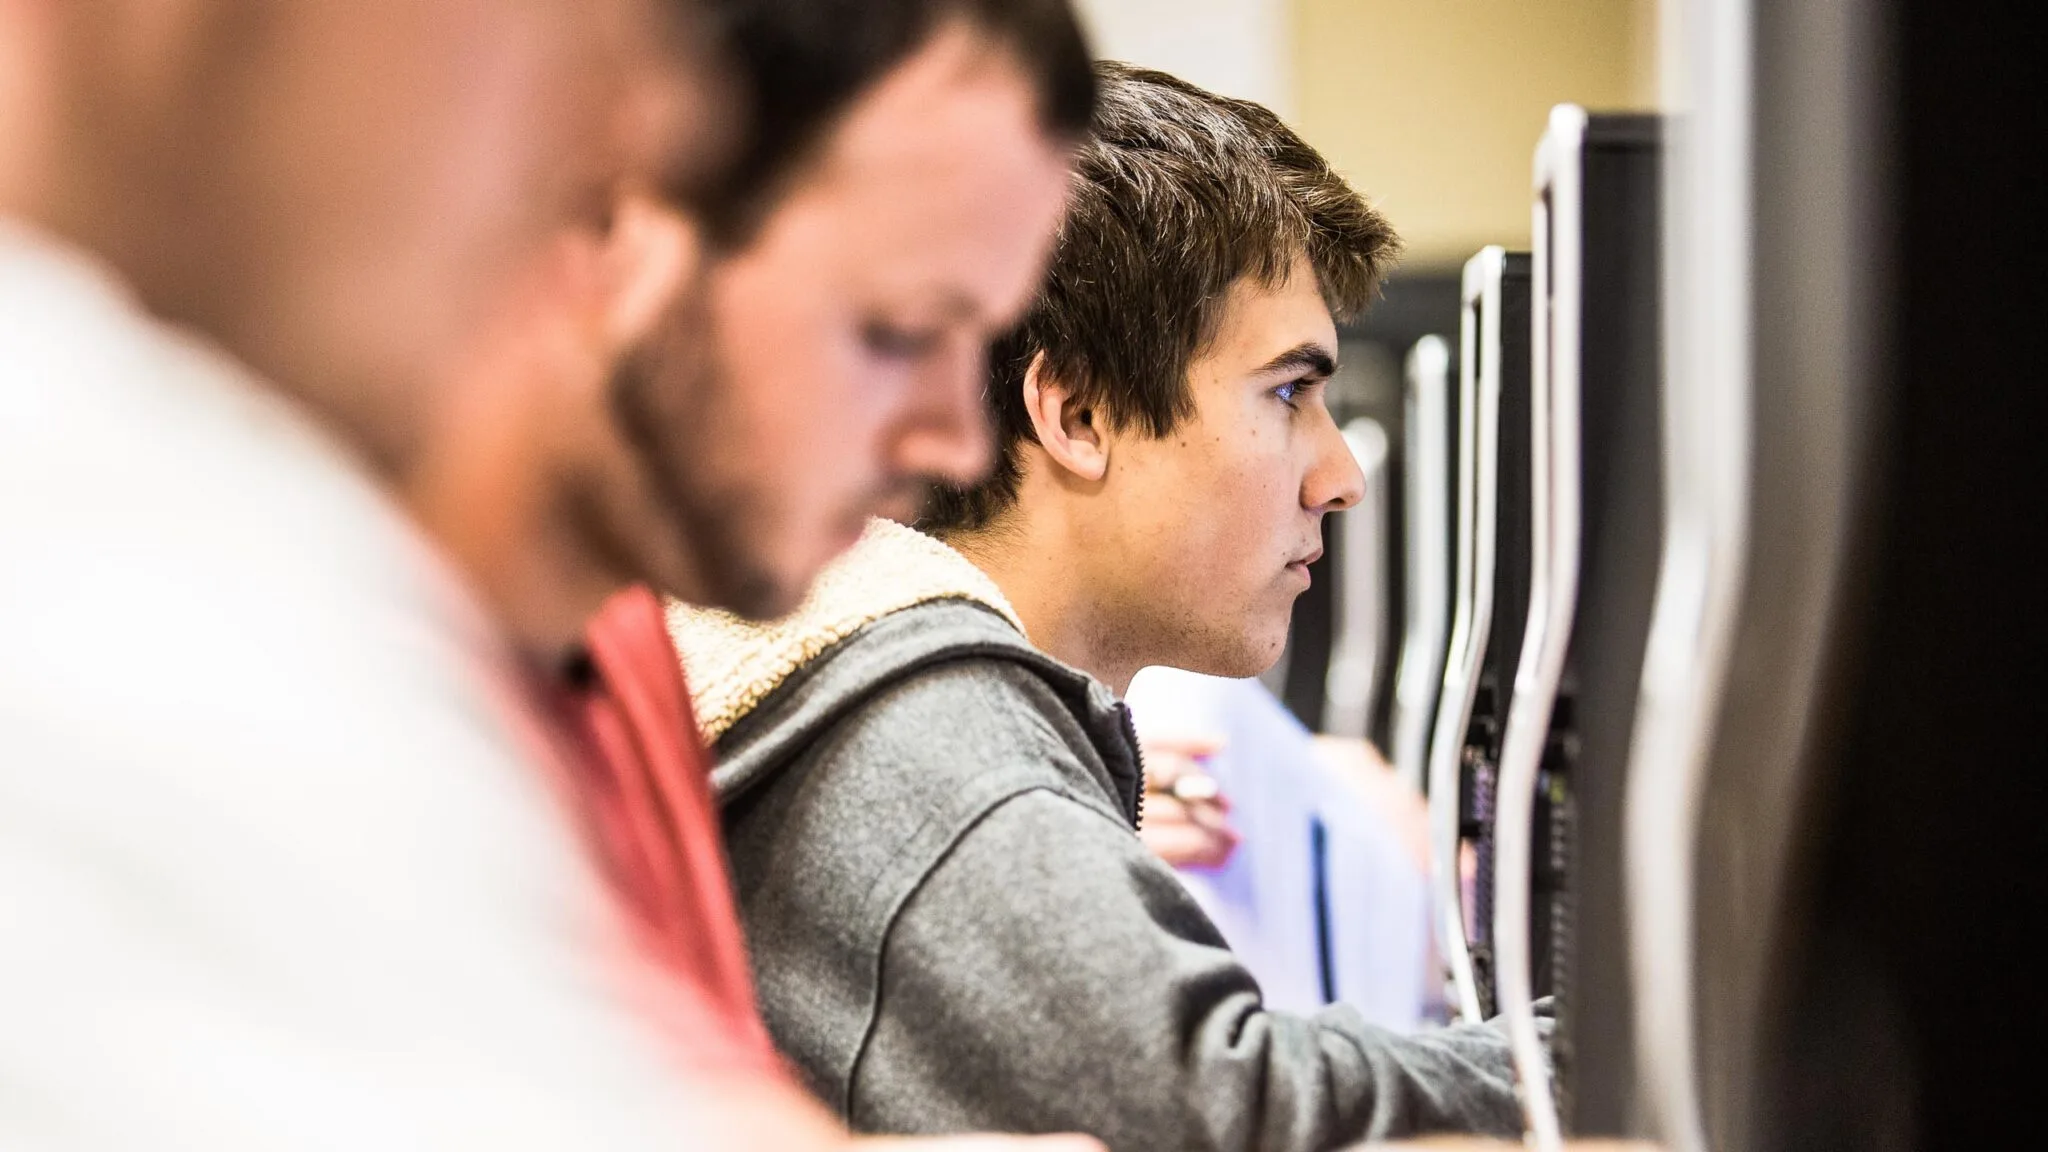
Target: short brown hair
[1178,194]
[803,63]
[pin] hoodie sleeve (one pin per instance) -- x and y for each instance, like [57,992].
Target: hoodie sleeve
[1050,974]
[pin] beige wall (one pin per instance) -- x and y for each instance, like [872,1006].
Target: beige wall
[1433,107]
[1240,48]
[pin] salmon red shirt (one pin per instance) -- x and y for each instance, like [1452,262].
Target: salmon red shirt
[644,782]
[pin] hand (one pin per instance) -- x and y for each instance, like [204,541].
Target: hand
[1186,815]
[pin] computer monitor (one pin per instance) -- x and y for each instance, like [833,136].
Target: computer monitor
[1427,546]
[1495,292]
[1361,628]
[1595,540]
[1836,776]
[1505,366]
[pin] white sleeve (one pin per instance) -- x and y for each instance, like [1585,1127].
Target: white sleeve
[277,868]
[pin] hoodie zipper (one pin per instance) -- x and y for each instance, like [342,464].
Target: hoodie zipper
[1123,713]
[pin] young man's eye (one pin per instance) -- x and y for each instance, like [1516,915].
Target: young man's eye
[1292,392]
[897,343]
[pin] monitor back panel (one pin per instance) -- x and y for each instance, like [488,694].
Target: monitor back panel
[1577,875]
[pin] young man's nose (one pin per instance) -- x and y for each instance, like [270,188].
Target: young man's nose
[1335,482]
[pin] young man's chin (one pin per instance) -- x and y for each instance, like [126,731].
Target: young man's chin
[1264,648]
[1249,654]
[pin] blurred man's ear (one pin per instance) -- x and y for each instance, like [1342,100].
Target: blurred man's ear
[1069,430]
[650,254]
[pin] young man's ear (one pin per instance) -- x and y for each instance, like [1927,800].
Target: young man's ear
[650,254]
[1070,432]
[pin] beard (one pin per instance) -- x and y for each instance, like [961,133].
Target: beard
[718,509]
[665,400]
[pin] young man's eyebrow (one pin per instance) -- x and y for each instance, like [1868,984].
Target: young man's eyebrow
[1307,357]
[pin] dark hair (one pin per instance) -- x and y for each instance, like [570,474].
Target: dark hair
[1178,194]
[802,63]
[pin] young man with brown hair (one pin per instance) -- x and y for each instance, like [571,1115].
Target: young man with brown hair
[928,784]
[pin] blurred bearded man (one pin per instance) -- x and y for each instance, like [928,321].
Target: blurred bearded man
[889,215]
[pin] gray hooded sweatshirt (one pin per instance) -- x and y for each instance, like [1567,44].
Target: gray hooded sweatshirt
[953,923]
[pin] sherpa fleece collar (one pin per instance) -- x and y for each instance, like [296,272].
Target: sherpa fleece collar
[734,664]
